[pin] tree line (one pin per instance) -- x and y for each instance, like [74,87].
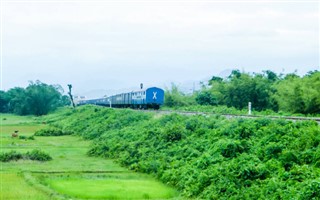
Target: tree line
[266,91]
[36,99]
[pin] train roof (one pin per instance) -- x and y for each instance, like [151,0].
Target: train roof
[141,90]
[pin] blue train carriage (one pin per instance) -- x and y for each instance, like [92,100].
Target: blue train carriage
[150,98]
[154,97]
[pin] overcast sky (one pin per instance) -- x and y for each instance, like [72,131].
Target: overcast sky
[112,45]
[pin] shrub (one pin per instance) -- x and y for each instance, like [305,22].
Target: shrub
[288,159]
[231,149]
[208,157]
[33,155]
[273,150]
[38,155]
[312,191]
[173,133]
[52,132]
[12,155]
[23,137]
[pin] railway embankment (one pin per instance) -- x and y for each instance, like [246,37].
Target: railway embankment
[207,157]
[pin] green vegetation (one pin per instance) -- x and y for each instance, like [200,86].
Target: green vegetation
[208,157]
[37,99]
[13,186]
[52,131]
[70,166]
[267,91]
[204,157]
[175,98]
[32,155]
[108,186]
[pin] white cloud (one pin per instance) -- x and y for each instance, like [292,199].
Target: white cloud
[124,40]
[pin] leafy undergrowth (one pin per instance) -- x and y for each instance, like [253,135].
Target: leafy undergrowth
[52,131]
[35,154]
[234,111]
[207,157]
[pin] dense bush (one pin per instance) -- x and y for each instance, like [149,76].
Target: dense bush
[208,157]
[33,155]
[23,137]
[52,131]
[38,155]
[12,155]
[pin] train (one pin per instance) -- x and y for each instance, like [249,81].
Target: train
[152,97]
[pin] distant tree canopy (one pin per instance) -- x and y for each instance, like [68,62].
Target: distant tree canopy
[266,90]
[37,99]
[174,97]
[3,102]
[206,98]
[299,95]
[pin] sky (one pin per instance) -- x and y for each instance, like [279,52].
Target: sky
[101,47]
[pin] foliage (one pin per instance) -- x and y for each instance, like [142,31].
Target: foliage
[37,99]
[23,137]
[208,157]
[299,95]
[38,155]
[33,155]
[23,179]
[206,98]
[241,88]
[12,155]
[174,97]
[17,102]
[209,109]
[266,91]
[52,131]
[3,102]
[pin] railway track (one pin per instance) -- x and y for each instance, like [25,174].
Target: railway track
[293,118]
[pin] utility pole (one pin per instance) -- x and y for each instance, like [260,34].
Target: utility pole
[71,97]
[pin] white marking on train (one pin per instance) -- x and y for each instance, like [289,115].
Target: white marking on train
[154,95]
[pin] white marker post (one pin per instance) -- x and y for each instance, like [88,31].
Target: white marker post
[109,102]
[249,108]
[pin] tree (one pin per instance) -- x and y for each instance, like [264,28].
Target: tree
[271,76]
[215,79]
[17,98]
[43,98]
[175,97]
[206,98]
[37,99]
[297,94]
[241,88]
[3,102]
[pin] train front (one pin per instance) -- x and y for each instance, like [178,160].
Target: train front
[154,97]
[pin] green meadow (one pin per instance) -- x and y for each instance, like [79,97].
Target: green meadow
[71,174]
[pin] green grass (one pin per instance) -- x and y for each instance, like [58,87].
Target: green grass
[70,159]
[13,186]
[109,186]
[7,119]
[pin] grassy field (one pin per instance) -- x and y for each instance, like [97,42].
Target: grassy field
[71,174]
